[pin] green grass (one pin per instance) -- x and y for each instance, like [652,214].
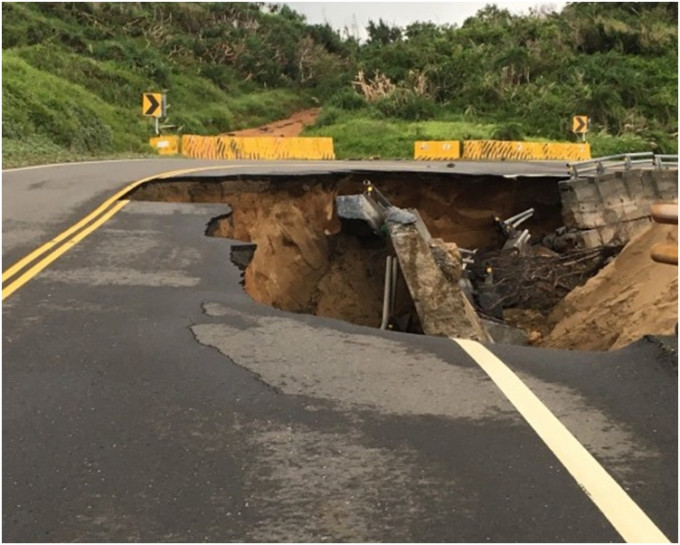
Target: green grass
[74,74]
[603,144]
[60,106]
[38,150]
[358,135]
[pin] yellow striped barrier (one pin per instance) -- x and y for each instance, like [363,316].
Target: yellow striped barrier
[257,147]
[569,152]
[524,151]
[165,145]
[435,150]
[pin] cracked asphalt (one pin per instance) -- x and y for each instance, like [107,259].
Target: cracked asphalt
[146,397]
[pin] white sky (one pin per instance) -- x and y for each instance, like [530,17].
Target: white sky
[354,16]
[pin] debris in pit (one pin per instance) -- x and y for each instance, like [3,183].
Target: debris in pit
[516,240]
[537,281]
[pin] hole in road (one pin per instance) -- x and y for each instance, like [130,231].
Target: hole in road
[302,258]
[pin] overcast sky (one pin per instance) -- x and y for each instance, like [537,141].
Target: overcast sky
[354,16]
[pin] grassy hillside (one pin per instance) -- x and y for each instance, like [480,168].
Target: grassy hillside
[73,75]
[72,88]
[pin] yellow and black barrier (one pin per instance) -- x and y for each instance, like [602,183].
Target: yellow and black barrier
[494,150]
[165,145]
[257,148]
[500,150]
[437,150]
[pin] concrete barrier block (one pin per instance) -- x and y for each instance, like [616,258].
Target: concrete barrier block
[436,150]
[590,238]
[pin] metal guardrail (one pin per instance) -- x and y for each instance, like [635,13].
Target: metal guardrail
[665,161]
[624,161]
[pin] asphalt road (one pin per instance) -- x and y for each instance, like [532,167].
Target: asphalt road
[146,397]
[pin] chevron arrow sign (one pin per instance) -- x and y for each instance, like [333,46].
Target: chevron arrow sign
[580,124]
[152,104]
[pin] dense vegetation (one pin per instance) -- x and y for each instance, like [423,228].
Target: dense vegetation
[73,74]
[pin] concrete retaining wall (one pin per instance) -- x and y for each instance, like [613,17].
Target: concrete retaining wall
[614,207]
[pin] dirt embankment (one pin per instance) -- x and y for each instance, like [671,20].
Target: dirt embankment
[303,262]
[631,297]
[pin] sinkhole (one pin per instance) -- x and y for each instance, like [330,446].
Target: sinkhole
[299,256]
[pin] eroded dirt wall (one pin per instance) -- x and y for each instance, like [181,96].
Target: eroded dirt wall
[303,263]
[455,208]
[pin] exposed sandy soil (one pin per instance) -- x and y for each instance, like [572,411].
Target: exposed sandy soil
[303,263]
[631,297]
[291,126]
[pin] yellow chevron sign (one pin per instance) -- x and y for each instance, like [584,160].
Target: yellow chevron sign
[580,124]
[152,104]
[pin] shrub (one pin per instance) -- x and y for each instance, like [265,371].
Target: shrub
[406,105]
[508,131]
[328,116]
[603,144]
[347,99]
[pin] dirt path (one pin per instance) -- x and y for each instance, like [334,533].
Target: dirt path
[291,126]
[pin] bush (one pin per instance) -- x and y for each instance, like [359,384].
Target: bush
[405,105]
[509,131]
[603,144]
[328,116]
[347,99]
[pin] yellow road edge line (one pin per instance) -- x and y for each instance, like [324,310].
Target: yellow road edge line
[11,271]
[35,269]
[629,520]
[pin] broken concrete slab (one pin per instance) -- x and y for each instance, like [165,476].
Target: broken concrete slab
[441,305]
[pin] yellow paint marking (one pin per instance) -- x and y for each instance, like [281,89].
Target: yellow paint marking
[14,269]
[35,269]
[617,506]
[11,271]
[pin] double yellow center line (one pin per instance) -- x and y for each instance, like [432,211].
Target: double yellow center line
[13,278]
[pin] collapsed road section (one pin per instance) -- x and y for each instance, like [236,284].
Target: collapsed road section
[417,252]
